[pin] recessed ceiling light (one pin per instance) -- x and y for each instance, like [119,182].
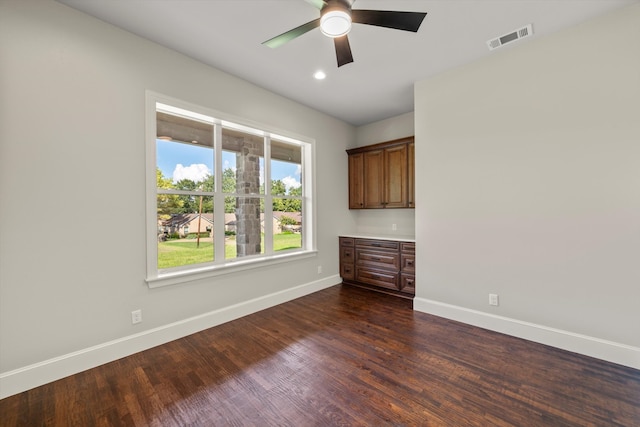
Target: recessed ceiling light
[319,75]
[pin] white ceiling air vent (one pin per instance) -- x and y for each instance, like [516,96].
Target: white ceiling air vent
[510,37]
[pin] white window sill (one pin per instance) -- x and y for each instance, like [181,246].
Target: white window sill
[177,277]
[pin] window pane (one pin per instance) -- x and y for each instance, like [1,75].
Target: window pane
[184,152]
[286,169]
[287,226]
[242,162]
[185,238]
[245,228]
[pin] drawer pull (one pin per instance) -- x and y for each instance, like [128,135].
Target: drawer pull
[375,244]
[410,263]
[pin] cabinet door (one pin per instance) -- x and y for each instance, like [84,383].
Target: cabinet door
[356,181]
[374,179]
[411,175]
[395,168]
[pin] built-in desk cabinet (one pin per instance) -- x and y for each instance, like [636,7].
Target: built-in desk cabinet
[384,265]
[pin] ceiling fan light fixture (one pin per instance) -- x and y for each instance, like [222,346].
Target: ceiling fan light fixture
[335,22]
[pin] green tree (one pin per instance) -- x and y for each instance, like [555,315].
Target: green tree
[229,186]
[294,205]
[287,220]
[167,204]
[278,188]
[207,184]
[189,203]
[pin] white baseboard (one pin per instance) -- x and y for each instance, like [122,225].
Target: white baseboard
[589,346]
[28,377]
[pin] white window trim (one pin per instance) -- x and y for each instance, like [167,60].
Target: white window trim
[154,277]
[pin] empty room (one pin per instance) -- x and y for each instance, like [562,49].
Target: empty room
[320,212]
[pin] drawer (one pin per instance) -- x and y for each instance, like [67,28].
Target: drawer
[347,271]
[379,259]
[347,241]
[408,247]
[385,279]
[347,254]
[408,283]
[378,244]
[408,263]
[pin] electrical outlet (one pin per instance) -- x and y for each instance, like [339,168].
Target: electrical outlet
[493,299]
[136,316]
[394,227]
[319,269]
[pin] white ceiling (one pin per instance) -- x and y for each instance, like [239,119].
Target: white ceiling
[228,35]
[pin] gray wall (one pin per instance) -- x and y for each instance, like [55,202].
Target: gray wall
[529,187]
[72,179]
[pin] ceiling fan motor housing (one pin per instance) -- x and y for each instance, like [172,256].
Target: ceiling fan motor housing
[335,19]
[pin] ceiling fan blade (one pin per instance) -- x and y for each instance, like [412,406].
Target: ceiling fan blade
[318,4]
[292,34]
[407,21]
[343,50]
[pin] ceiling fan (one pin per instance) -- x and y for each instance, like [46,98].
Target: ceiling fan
[336,17]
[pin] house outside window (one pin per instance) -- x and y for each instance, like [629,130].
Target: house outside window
[222,195]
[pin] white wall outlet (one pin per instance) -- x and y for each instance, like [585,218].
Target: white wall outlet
[394,227]
[136,316]
[493,299]
[319,269]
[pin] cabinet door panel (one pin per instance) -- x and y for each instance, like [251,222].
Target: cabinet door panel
[396,177]
[408,263]
[408,283]
[346,271]
[356,181]
[374,179]
[347,255]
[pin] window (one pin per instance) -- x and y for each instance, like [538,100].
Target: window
[222,195]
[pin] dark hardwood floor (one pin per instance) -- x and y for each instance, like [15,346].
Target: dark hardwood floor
[342,356]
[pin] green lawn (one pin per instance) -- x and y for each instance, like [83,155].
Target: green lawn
[185,252]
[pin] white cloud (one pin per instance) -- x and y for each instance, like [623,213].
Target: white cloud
[194,172]
[290,182]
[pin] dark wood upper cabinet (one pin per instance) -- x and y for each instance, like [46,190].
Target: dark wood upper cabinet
[356,181]
[381,175]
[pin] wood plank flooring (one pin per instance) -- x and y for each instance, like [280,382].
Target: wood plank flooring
[343,356]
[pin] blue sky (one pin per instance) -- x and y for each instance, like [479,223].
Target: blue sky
[178,161]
